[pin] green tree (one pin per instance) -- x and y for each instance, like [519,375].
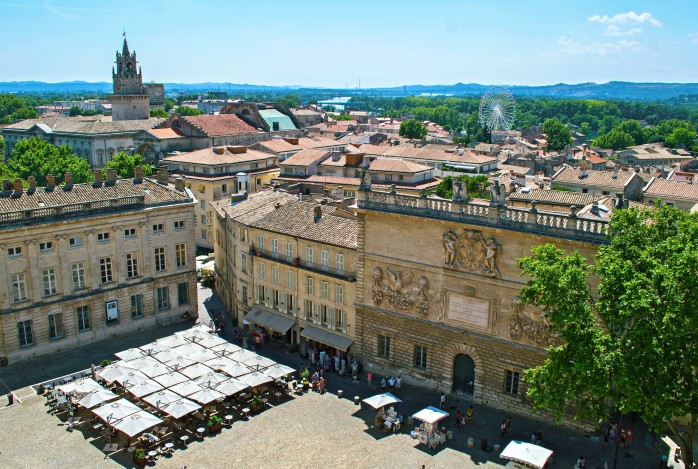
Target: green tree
[475,186]
[633,128]
[290,100]
[158,113]
[24,113]
[187,111]
[558,134]
[75,111]
[615,140]
[631,342]
[169,104]
[36,157]
[412,129]
[681,138]
[125,165]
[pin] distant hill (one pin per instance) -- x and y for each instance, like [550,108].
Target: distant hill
[610,90]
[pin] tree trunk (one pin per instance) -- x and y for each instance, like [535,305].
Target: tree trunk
[685,441]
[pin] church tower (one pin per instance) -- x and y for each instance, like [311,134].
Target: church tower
[130,99]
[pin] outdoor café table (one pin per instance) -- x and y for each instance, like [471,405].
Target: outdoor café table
[98,426]
[131,449]
[229,419]
[169,446]
[184,439]
[246,412]
[200,431]
[278,396]
[153,454]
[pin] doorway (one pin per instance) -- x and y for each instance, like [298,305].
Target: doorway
[464,375]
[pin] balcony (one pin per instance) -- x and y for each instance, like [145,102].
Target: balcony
[302,264]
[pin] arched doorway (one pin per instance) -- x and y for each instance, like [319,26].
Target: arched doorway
[464,375]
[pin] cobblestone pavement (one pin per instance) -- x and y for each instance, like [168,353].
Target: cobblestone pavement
[309,431]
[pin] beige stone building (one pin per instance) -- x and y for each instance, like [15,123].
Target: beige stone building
[289,267]
[215,173]
[86,262]
[438,285]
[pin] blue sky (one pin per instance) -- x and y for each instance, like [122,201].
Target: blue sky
[342,43]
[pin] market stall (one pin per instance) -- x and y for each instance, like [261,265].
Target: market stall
[526,455]
[428,432]
[386,420]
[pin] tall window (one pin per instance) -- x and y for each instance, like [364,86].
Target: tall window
[420,357]
[46,246]
[243,262]
[261,271]
[511,384]
[340,320]
[83,317]
[158,228]
[308,309]
[340,263]
[324,258]
[130,233]
[163,294]
[19,287]
[309,254]
[244,294]
[275,274]
[14,251]
[243,234]
[75,242]
[78,270]
[131,265]
[183,293]
[289,251]
[324,290]
[181,254]
[137,309]
[289,279]
[274,246]
[105,269]
[55,326]
[26,337]
[260,242]
[384,346]
[310,285]
[49,278]
[179,225]
[160,265]
[290,304]
[104,237]
[339,294]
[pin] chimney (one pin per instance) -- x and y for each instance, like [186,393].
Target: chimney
[68,177]
[317,213]
[111,177]
[340,192]
[162,177]
[19,189]
[6,186]
[32,185]
[595,207]
[50,182]
[326,193]
[582,173]
[179,184]
[619,200]
[97,176]
[138,174]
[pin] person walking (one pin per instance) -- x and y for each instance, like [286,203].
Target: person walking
[369,379]
[442,401]
[508,422]
[383,384]
[459,417]
[581,463]
[503,428]
[391,383]
[221,328]
[398,382]
[628,437]
[471,413]
[606,437]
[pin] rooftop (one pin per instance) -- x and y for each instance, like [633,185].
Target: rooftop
[570,175]
[306,157]
[397,166]
[85,125]
[280,145]
[220,124]
[272,116]
[672,189]
[219,155]
[426,153]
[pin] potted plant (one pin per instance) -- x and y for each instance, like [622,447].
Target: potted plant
[296,262]
[41,390]
[215,424]
[139,456]
[256,404]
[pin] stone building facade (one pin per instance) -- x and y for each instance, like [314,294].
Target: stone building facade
[437,292]
[86,262]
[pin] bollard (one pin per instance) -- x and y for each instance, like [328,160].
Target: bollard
[410,420]
[497,448]
[449,435]
[357,399]
[340,393]
[471,442]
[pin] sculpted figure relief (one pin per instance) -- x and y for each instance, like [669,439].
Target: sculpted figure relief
[537,330]
[470,251]
[399,293]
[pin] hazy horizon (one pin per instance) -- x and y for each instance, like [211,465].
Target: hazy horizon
[381,44]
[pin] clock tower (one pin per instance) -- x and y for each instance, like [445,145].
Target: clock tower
[130,99]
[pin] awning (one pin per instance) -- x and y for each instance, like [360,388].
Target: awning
[526,453]
[326,337]
[272,321]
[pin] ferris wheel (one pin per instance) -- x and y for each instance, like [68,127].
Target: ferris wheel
[497,109]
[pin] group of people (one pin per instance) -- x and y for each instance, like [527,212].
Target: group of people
[391,382]
[611,433]
[460,418]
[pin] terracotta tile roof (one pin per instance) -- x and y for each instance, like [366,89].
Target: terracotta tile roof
[153,193]
[221,124]
[279,145]
[255,206]
[570,175]
[672,189]
[87,125]
[166,133]
[555,197]
[398,166]
[209,156]
[652,152]
[342,161]
[425,154]
[298,219]
[317,179]
[306,157]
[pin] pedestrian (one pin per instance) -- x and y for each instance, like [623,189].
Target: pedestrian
[534,440]
[261,338]
[539,436]
[606,437]
[503,428]
[235,331]
[628,437]
[257,342]
[211,326]
[471,413]
[221,328]
[581,463]
[391,383]
[442,401]
[613,433]
[322,385]
[369,377]
[383,384]
[244,342]
[508,421]
[459,417]
[398,382]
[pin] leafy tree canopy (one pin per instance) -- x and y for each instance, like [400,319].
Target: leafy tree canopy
[125,165]
[187,111]
[616,139]
[342,117]
[412,129]
[558,134]
[290,100]
[475,186]
[633,340]
[36,157]
[158,113]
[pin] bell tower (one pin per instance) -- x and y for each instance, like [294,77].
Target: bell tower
[130,99]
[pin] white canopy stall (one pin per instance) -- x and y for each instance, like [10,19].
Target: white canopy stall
[526,455]
[381,400]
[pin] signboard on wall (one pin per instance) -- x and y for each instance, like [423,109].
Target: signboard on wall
[112,308]
[468,311]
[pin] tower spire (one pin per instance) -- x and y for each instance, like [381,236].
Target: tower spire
[125,51]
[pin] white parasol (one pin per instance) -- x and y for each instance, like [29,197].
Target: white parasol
[257,362]
[210,341]
[130,377]
[143,388]
[205,396]
[526,453]
[180,407]
[161,398]
[96,397]
[166,355]
[153,348]
[115,410]
[136,423]
[198,329]
[381,400]
[180,362]
[186,388]
[243,355]
[255,379]
[170,379]
[117,369]
[173,341]
[231,386]
[430,415]
[195,370]
[202,355]
[278,371]
[188,349]
[235,369]
[211,379]
[130,354]
[226,349]
[80,385]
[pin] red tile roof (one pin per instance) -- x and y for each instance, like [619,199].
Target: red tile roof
[222,124]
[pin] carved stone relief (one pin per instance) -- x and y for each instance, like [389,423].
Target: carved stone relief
[471,251]
[398,291]
[535,329]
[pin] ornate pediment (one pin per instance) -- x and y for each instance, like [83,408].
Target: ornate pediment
[398,289]
[471,252]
